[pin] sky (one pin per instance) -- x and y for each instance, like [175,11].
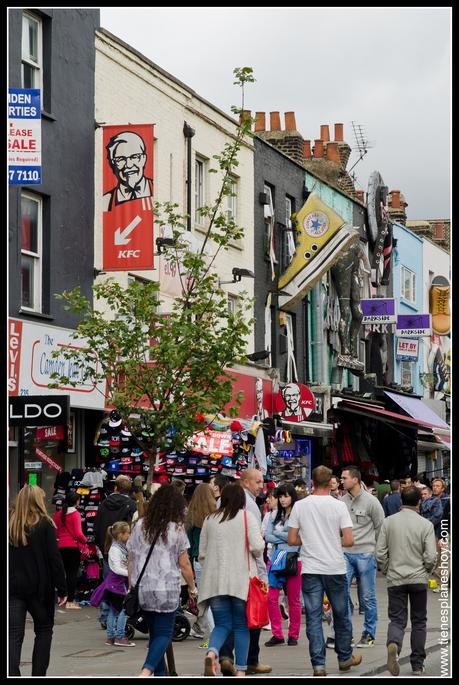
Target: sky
[385,69]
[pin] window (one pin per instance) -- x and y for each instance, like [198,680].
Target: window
[31,251]
[231,212]
[408,284]
[233,304]
[406,377]
[288,242]
[291,373]
[32,58]
[198,189]
[270,247]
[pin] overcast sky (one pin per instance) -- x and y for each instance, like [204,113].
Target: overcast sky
[387,69]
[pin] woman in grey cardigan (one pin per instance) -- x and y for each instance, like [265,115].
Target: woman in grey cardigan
[226,570]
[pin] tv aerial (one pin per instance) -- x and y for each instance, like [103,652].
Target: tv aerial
[362,144]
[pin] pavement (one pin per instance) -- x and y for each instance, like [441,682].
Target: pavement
[78,648]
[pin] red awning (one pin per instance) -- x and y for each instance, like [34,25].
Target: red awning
[377,412]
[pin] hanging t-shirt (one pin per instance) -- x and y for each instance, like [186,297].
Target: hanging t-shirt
[320,520]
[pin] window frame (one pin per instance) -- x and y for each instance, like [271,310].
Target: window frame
[404,270]
[38,256]
[231,199]
[406,366]
[233,304]
[38,66]
[199,191]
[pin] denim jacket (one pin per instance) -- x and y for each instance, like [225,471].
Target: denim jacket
[277,535]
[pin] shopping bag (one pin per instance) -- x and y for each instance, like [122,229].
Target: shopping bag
[257,604]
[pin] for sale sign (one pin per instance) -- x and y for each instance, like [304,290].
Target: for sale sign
[128,197]
[24,136]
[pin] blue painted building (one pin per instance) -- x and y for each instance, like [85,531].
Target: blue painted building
[408,294]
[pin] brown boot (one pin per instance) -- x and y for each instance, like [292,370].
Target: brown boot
[355,660]
[439,305]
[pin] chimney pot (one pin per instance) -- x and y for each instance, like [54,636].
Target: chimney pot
[339,135]
[290,123]
[307,149]
[275,121]
[395,199]
[439,231]
[260,121]
[333,153]
[325,133]
[318,148]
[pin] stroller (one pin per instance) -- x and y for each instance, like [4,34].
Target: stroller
[182,626]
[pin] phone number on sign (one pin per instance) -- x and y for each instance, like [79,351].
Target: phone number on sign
[25,175]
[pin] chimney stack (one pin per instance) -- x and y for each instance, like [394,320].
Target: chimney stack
[307,149]
[325,133]
[333,153]
[318,148]
[290,123]
[260,121]
[395,199]
[275,121]
[339,134]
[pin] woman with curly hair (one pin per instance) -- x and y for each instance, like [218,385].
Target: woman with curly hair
[202,504]
[159,590]
[36,571]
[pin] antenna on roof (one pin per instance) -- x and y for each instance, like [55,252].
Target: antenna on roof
[363,145]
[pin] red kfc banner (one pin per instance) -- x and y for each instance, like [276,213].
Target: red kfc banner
[127,186]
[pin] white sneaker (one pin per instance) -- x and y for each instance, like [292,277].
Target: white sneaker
[267,627]
[196,634]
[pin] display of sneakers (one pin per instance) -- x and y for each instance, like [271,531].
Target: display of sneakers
[392,659]
[366,640]
[273,641]
[123,642]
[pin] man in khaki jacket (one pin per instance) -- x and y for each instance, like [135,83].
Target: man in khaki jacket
[406,553]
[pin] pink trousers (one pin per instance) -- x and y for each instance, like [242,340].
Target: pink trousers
[293,587]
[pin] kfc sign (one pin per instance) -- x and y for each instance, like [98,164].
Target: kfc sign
[295,402]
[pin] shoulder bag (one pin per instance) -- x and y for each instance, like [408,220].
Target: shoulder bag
[131,604]
[257,598]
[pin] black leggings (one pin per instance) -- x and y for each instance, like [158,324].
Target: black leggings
[43,621]
[71,559]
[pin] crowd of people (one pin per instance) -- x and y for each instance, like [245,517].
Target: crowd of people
[338,534]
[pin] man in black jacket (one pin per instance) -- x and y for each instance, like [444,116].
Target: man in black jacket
[393,502]
[118,506]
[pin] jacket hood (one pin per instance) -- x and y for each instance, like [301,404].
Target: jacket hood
[116,502]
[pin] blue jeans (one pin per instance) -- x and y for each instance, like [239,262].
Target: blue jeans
[363,567]
[335,587]
[229,616]
[116,623]
[161,629]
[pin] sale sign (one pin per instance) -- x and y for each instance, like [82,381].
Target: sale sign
[127,186]
[212,442]
[47,460]
[24,136]
[50,432]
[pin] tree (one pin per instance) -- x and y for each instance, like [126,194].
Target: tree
[164,371]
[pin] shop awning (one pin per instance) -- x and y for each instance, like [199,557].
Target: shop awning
[308,428]
[421,412]
[371,411]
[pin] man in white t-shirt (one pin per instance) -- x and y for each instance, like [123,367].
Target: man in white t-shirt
[322,526]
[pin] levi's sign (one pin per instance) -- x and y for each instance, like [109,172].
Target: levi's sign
[39,410]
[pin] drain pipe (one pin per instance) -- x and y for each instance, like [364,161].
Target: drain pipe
[188,132]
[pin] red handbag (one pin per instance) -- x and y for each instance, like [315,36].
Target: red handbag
[257,598]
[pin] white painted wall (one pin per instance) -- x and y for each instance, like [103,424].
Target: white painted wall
[129,89]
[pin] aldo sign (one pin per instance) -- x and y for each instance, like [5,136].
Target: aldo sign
[39,410]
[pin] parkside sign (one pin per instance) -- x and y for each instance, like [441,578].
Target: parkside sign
[31,363]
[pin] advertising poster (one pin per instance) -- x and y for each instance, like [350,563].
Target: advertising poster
[127,188]
[24,136]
